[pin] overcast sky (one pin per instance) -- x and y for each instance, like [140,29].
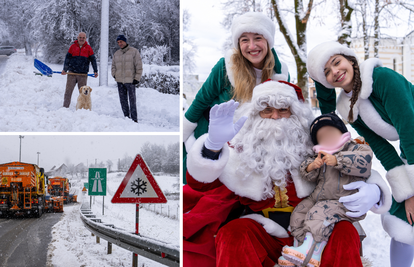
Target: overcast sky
[57,149]
[209,35]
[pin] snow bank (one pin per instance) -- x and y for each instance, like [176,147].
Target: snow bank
[34,103]
[171,70]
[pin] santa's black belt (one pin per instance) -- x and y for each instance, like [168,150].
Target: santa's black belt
[279,217]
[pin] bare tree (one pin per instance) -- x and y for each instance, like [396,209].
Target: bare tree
[383,13]
[297,45]
[109,164]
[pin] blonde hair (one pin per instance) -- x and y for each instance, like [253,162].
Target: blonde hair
[245,76]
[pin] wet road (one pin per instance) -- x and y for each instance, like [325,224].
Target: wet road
[24,241]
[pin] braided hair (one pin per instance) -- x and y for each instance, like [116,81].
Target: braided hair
[356,88]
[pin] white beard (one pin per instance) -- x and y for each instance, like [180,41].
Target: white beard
[270,149]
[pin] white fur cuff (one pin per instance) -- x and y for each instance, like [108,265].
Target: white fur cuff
[398,229]
[386,200]
[271,227]
[202,169]
[410,173]
[189,142]
[188,128]
[400,183]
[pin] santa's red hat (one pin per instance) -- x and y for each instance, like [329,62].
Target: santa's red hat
[280,88]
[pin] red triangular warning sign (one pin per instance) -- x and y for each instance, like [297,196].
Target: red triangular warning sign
[139,186]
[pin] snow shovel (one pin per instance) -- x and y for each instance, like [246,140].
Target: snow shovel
[45,70]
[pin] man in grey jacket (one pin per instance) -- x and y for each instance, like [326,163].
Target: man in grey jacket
[127,71]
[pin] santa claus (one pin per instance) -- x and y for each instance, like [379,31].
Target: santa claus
[243,186]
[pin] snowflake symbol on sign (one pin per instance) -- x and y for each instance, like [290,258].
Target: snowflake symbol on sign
[139,187]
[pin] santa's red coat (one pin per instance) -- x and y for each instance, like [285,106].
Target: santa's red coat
[213,235]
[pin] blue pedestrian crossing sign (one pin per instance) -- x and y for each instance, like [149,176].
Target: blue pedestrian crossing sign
[97,182]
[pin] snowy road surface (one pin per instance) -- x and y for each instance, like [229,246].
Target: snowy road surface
[24,241]
[34,103]
[3,61]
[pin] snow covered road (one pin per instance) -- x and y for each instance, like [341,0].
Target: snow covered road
[33,103]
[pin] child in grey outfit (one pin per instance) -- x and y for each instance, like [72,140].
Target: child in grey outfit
[338,160]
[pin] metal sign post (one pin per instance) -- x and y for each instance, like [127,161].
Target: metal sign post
[138,186]
[135,256]
[97,184]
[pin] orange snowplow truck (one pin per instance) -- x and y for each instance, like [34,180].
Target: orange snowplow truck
[59,187]
[22,189]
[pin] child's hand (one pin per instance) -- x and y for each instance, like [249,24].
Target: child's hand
[316,164]
[329,159]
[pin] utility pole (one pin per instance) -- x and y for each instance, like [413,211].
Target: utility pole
[20,151]
[38,153]
[103,76]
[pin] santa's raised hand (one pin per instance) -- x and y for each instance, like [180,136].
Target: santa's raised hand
[221,128]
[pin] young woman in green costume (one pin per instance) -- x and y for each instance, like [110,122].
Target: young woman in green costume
[379,104]
[252,60]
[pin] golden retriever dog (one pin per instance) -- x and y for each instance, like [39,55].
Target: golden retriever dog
[84,98]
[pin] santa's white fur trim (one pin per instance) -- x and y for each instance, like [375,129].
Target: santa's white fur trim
[202,169]
[276,76]
[271,227]
[386,200]
[251,188]
[319,56]
[188,128]
[303,187]
[400,183]
[253,22]
[282,90]
[366,69]
[398,229]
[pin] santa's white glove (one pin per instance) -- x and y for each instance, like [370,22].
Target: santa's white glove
[271,227]
[362,201]
[221,128]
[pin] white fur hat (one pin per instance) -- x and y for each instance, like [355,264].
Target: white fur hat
[318,57]
[254,22]
[280,88]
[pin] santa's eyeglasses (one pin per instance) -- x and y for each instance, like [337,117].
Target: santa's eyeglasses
[270,110]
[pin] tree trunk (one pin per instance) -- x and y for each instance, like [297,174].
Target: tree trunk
[299,47]
[346,24]
[27,46]
[365,31]
[376,29]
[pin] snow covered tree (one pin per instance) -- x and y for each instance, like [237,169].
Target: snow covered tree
[154,155]
[189,47]
[55,24]
[81,169]
[172,159]
[109,165]
[345,11]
